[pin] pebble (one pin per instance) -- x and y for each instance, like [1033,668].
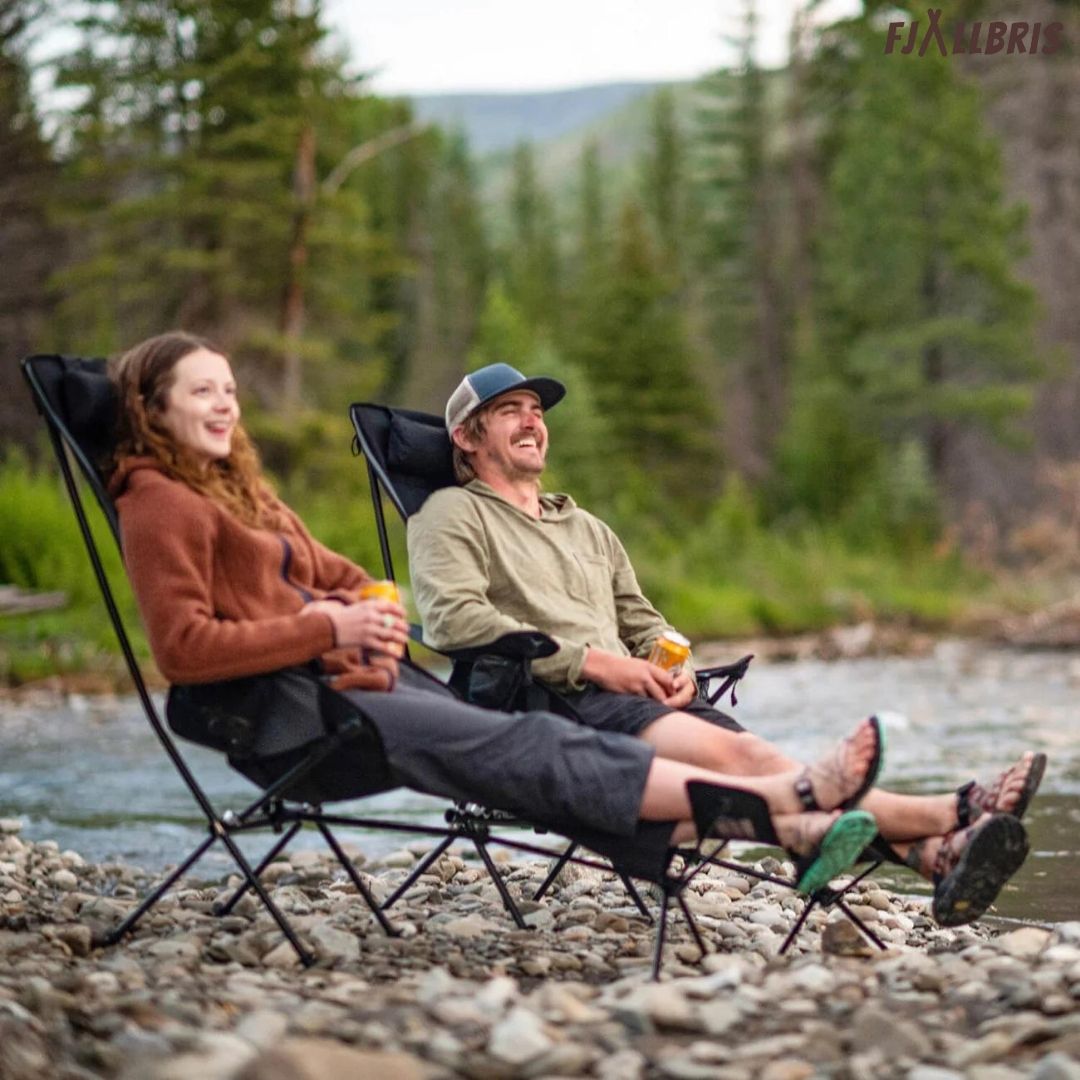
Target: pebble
[462,992]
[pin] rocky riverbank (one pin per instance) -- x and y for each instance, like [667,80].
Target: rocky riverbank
[462,993]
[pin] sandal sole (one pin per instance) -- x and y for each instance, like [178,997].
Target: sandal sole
[1031,786]
[872,773]
[995,853]
[840,848]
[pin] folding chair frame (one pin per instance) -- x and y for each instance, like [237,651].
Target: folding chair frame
[468,817]
[271,809]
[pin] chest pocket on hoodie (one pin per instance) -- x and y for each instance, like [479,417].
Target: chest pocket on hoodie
[597,576]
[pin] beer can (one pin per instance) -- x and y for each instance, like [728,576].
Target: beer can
[384,590]
[670,651]
[381,590]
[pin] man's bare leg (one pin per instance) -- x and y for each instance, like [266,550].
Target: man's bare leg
[665,797]
[686,738]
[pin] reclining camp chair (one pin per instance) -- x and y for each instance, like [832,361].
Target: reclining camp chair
[408,457]
[77,402]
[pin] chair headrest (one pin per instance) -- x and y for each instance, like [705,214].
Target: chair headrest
[88,405]
[420,450]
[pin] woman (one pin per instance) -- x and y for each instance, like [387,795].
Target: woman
[230,583]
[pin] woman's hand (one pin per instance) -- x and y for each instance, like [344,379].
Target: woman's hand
[378,625]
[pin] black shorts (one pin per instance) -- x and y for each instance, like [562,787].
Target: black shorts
[631,714]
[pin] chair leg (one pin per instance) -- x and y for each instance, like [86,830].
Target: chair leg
[267,859]
[306,958]
[148,902]
[793,933]
[421,867]
[358,881]
[861,925]
[692,923]
[497,881]
[661,936]
[634,895]
[562,860]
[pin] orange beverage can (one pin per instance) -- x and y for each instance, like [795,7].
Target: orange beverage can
[670,651]
[381,590]
[384,590]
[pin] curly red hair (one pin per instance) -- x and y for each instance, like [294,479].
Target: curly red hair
[143,376]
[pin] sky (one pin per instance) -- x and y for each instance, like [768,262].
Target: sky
[441,46]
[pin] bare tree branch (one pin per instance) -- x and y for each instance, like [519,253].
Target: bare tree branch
[365,152]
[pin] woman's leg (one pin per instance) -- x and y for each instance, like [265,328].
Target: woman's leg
[551,768]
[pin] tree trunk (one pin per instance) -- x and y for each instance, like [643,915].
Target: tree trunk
[292,305]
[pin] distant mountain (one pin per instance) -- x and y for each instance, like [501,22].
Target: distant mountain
[494,122]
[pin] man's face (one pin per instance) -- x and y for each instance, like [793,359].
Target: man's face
[513,445]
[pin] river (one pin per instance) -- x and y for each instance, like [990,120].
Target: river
[90,774]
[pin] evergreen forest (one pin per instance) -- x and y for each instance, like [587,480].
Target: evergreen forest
[818,323]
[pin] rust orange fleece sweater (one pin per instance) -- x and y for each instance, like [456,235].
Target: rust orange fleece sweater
[220,599]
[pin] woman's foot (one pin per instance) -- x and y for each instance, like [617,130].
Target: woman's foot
[846,774]
[970,866]
[823,844]
[826,844]
[1010,793]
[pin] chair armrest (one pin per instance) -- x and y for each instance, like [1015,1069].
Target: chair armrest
[519,645]
[730,673]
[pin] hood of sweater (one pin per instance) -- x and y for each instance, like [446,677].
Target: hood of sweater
[121,477]
[556,505]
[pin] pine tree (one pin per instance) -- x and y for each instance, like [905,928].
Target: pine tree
[196,162]
[635,351]
[663,179]
[532,258]
[928,330]
[739,254]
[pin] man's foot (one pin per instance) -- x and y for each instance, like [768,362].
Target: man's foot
[847,773]
[970,866]
[826,844]
[1010,793]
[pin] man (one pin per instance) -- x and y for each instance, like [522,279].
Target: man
[498,554]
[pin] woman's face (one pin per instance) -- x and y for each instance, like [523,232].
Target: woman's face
[201,409]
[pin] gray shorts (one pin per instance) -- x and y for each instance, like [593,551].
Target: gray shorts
[631,714]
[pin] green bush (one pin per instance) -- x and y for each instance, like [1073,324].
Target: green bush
[41,550]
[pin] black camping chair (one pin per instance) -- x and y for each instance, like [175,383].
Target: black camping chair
[77,401]
[408,457]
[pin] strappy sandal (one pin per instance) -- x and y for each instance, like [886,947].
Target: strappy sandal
[733,814]
[973,864]
[804,787]
[973,800]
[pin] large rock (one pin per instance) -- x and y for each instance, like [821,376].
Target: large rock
[322,1059]
[333,946]
[519,1037]
[872,1028]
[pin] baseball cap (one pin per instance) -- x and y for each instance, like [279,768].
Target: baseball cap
[489,382]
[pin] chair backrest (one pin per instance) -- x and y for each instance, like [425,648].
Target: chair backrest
[78,402]
[408,457]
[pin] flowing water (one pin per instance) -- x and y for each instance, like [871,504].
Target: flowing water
[91,775]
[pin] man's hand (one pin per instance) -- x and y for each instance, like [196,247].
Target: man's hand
[685,691]
[628,675]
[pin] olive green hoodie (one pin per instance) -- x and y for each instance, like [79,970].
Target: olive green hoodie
[481,567]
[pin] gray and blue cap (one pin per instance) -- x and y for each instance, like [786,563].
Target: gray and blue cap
[488,383]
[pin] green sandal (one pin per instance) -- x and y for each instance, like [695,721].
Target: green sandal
[734,814]
[840,848]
